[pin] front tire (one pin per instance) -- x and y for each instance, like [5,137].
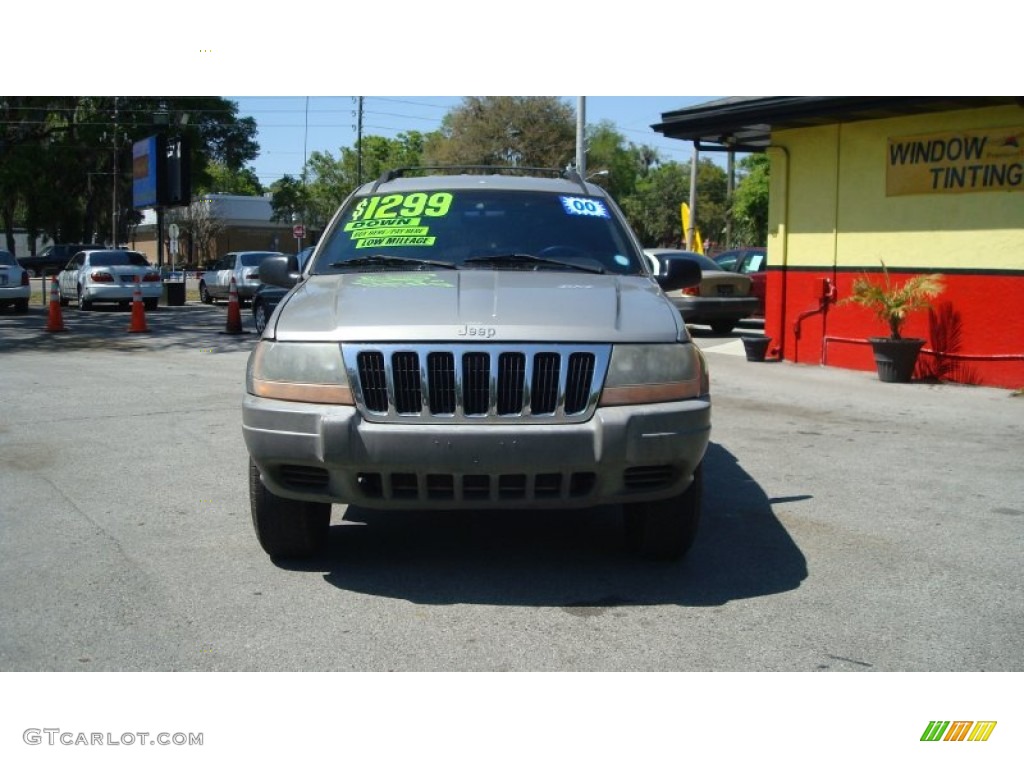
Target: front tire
[286,527]
[204,294]
[665,530]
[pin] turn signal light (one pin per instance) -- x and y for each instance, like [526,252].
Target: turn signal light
[101,277]
[151,277]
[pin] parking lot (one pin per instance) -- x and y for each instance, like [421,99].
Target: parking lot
[848,525]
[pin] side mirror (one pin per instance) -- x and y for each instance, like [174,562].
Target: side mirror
[678,272]
[282,271]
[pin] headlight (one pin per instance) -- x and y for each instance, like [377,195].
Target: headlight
[654,373]
[306,373]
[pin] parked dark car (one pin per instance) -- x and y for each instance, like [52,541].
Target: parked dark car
[53,258]
[752,262]
[267,297]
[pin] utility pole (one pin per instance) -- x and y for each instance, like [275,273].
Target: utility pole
[690,239]
[729,191]
[581,147]
[359,139]
[113,207]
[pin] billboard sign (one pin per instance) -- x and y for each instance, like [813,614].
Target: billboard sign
[147,163]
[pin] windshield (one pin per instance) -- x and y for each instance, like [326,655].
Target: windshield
[118,259]
[478,229]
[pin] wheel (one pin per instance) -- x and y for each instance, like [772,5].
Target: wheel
[260,316]
[286,527]
[150,304]
[204,294]
[21,306]
[83,303]
[665,529]
[722,327]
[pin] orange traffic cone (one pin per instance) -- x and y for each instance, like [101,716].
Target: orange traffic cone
[55,322]
[138,324]
[234,324]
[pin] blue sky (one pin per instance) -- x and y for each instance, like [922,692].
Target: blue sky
[288,132]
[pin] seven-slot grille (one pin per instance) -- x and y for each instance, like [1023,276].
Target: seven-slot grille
[495,382]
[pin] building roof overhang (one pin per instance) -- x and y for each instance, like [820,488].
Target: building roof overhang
[746,123]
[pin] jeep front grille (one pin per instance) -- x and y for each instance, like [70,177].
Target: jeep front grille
[497,383]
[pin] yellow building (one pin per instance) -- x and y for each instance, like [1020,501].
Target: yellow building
[923,184]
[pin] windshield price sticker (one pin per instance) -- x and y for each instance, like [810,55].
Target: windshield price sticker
[391,232]
[582,206]
[393,241]
[355,226]
[411,205]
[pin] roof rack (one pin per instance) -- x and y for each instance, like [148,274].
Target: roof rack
[397,173]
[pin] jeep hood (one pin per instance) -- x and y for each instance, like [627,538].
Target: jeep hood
[477,305]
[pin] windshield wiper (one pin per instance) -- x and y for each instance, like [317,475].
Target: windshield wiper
[529,261]
[392,261]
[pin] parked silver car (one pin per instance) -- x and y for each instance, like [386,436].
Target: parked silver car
[476,341]
[720,300]
[15,289]
[244,266]
[108,276]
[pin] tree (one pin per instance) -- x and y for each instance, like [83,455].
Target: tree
[750,200]
[625,163]
[199,223]
[529,131]
[73,145]
[230,181]
[329,180]
[654,209]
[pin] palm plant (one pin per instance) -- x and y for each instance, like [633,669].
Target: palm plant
[891,303]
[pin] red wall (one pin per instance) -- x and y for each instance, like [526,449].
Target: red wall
[977,323]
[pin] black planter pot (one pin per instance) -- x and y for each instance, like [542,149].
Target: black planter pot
[895,358]
[756,347]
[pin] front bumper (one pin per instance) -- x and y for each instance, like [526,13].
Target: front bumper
[330,453]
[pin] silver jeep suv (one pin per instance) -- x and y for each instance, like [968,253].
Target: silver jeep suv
[478,340]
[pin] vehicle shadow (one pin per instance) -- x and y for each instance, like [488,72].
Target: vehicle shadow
[105,326]
[573,559]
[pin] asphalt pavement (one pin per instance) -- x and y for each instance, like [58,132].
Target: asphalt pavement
[849,525]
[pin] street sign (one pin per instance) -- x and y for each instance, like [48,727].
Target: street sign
[299,231]
[173,231]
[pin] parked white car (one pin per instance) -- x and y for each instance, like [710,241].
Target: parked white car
[244,266]
[108,276]
[14,286]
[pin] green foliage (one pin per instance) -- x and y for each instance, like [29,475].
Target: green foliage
[892,303]
[58,159]
[229,181]
[750,200]
[329,180]
[528,131]
[620,164]
[654,209]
